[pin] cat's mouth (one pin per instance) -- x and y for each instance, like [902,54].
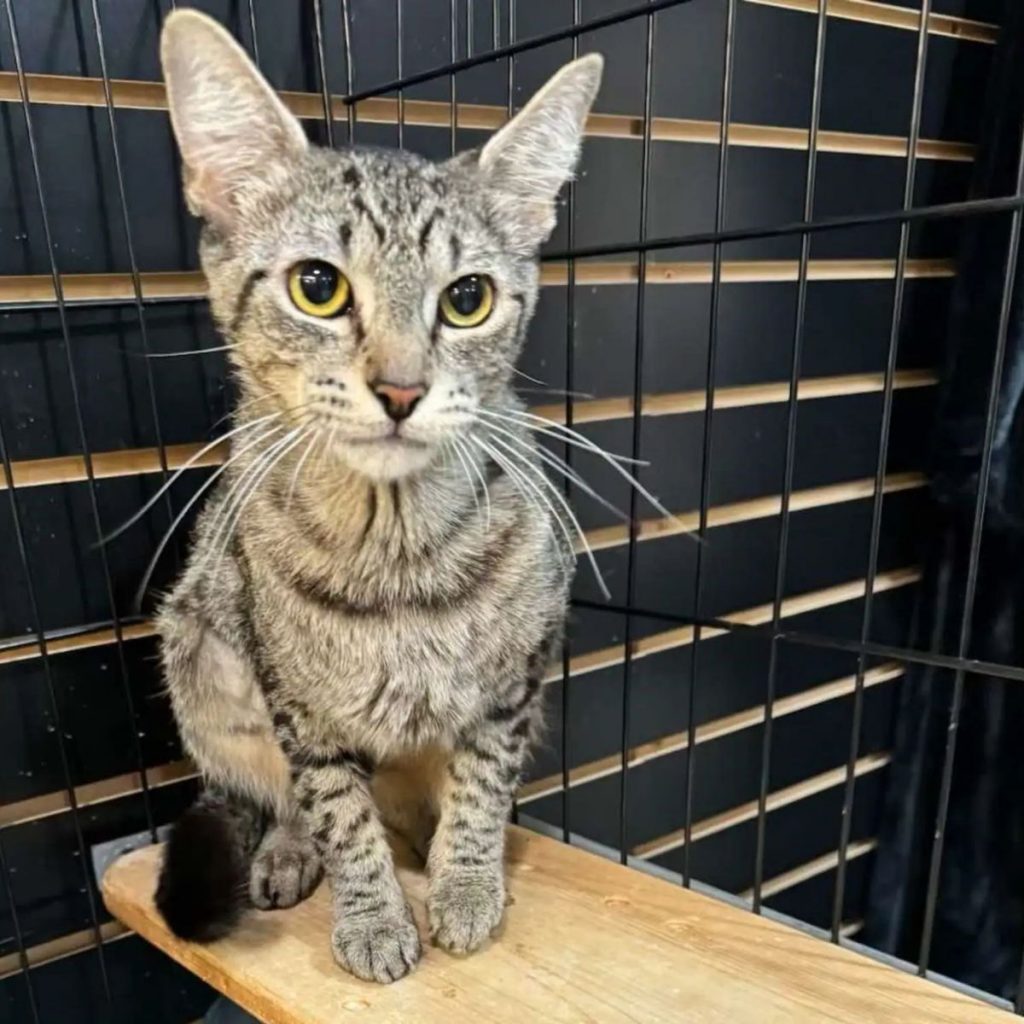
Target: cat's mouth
[387,441]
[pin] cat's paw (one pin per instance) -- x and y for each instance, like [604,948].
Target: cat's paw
[464,908]
[285,870]
[377,947]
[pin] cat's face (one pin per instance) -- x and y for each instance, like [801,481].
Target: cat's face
[378,300]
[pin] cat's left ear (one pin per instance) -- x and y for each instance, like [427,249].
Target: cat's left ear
[234,132]
[528,161]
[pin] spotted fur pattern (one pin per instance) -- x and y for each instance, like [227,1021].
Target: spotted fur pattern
[359,637]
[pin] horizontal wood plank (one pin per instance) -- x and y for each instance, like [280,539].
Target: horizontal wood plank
[65,469]
[70,90]
[812,869]
[585,939]
[727,725]
[874,12]
[35,289]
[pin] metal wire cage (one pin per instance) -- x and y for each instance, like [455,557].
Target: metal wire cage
[55,300]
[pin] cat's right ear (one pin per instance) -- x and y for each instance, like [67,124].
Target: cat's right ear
[233,130]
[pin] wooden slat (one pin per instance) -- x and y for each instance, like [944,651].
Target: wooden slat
[801,790]
[756,508]
[676,742]
[29,289]
[584,940]
[873,12]
[87,795]
[672,639]
[812,869]
[62,946]
[64,469]
[69,90]
[79,642]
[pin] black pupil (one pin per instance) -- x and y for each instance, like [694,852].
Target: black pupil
[319,282]
[466,295]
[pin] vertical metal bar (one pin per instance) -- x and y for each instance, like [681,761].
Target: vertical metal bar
[451,78]
[787,474]
[495,23]
[19,938]
[75,395]
[325,91]
[346,27]
[709,396]
[398,56]
[51,690]
[570,376]
[469,28]
[637,440]
[970,590]
[143,337]
[254,34]
[846,822]
[511,84]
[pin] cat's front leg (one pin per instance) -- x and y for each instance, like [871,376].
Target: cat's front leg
[375,936]
[466,898]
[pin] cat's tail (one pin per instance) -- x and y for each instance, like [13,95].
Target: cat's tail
[204,880]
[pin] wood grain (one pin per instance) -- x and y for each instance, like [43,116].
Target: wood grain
[585,940]
[35,289]
[71,90]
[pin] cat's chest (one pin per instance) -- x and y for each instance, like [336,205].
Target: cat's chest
[382,682]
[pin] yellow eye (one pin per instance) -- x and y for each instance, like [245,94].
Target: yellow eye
[319,289]
[467,302]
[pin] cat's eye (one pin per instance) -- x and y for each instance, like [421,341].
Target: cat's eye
[319,289]
[467,302]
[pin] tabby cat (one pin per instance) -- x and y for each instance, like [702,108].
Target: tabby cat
[379,578]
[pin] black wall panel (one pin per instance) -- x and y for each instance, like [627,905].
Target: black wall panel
[105,713]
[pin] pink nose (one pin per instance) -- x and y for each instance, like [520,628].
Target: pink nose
[398,401]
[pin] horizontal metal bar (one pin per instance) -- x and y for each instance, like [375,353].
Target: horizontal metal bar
[728,725]
[522,46]
[940,211]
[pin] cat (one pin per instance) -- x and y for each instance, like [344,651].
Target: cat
[379,579]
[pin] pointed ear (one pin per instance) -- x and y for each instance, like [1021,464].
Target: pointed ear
[233,131]
[529,159]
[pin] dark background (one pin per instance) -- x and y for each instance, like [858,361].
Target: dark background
[83,716]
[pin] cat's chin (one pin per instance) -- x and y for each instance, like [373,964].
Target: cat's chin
[388,459]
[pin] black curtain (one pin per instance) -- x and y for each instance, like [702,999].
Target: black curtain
[980,913]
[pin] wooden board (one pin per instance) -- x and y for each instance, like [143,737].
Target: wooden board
[585,940]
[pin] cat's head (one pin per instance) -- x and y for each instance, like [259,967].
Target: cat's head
[375,297]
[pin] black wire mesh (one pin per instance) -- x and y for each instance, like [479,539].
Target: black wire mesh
[639,249]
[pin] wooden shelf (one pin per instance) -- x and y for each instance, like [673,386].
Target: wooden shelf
[585,940]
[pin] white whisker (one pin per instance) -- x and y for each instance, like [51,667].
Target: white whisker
[298,467]
[559,464]
[545,482]
[457,448]
[151,566]
[189,352]
[187,465]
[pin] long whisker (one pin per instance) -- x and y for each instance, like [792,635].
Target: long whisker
[189,352]
[460,455]
[552,391]
[186,466]
[608,458]
[523,488]
[560,432]
[165,540]
[249,480]
[298,467]
[484,489]
[538,475]
[561,466]
[274,460]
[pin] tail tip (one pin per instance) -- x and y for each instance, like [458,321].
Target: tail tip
[202,880]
